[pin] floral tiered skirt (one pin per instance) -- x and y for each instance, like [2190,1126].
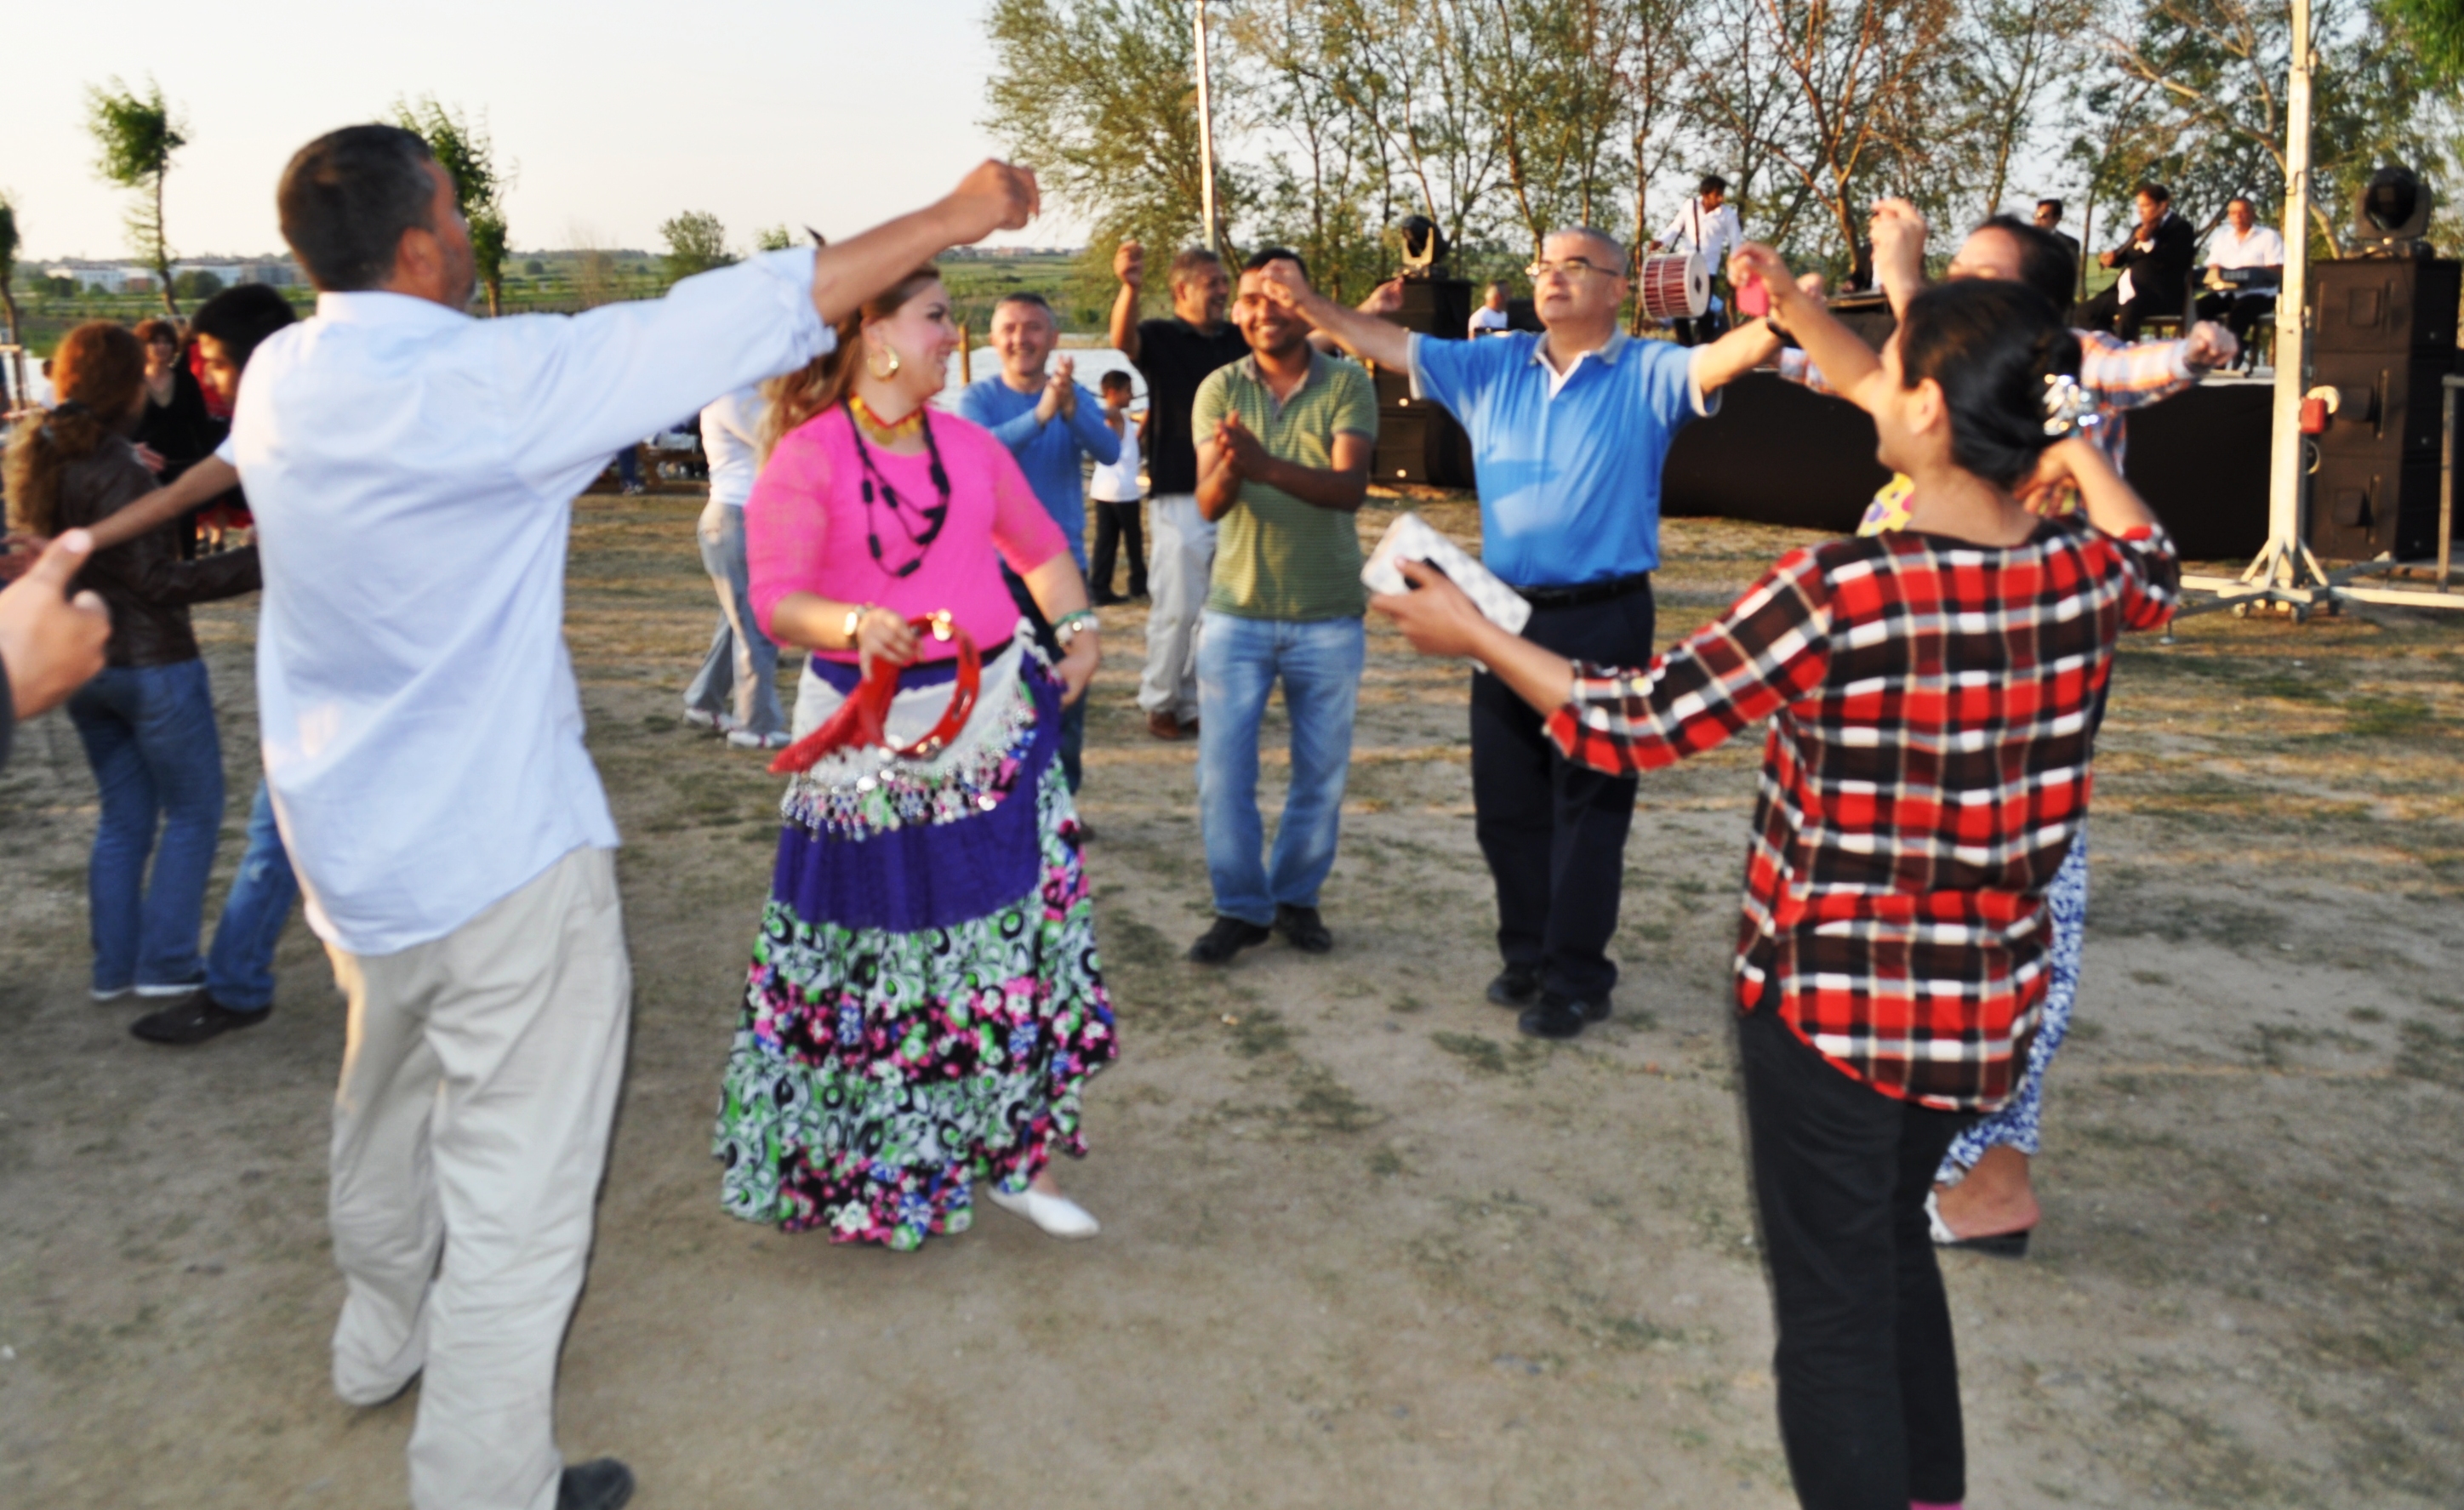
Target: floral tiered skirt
[924,1005]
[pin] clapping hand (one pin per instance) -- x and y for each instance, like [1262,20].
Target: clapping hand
[1240,447]
[1064,387]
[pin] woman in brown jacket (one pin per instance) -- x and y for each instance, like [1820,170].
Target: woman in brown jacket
[147,722]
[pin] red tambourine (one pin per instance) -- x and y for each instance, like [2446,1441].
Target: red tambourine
[863,719]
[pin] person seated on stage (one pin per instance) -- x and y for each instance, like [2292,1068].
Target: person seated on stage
[1890,968]
[1490,318]
[2242,242]
[1707,227]
[2155,265]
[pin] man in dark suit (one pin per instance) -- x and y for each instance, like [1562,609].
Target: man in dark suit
[2049,219]
[2155,266]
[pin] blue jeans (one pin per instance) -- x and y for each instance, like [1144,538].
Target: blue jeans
[1239,661]
[239,972]
[149,732]
[740,676]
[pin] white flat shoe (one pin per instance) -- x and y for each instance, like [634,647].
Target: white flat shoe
[1058,1215]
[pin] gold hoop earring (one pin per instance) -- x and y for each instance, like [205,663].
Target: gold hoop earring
[872,364]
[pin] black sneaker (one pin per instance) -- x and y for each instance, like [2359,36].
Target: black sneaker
[602,1483]
[194,1020]
[1515,986]
[1303,928]
[1559,1016]
[1227,938]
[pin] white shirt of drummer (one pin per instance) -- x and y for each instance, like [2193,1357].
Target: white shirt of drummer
[412,471]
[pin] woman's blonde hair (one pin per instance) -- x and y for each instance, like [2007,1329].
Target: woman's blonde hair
[100,376]
[825,381]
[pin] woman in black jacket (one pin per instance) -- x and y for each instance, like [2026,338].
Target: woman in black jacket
[147,721]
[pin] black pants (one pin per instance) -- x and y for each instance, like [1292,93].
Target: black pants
[2241,316]
[1868,1375]
[1553,832]
[1701,330]
[2107,313]
[1116,523]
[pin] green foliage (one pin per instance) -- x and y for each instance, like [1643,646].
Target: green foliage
[2433,31]
[137,135]
[696,243]
[467,154]
[197,283]
[773,238]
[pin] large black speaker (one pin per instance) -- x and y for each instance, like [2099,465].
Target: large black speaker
[1418,442]
[2384,335]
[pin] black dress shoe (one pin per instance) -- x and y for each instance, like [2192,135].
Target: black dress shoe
[1559,1016]
[1227,938]
[1515,985]
[602,1483]
[194,1020]
[1303,928]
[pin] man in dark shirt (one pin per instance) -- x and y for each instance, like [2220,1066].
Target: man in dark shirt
[2155,266]
[2049,219]
[1175,356]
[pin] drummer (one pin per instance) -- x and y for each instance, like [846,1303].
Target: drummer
[1568,428]
[1707,228]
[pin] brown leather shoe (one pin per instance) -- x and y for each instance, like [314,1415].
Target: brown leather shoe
[1163,725]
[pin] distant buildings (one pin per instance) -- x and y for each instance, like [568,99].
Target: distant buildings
[132,277]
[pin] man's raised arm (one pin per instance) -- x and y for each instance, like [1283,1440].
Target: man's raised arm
[995,197]
[1361,332]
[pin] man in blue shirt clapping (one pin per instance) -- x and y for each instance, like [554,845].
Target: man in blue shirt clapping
[1047,421]
[1569,429]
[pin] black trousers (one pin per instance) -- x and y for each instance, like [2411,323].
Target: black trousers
[1118,523]
[1868,1376]
[2107,313]
[2241,316]
[1553,832]
[1701,330]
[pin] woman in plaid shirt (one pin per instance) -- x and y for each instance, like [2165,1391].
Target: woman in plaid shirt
[1928,693]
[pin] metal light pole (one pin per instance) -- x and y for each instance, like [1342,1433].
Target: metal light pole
[1206,140]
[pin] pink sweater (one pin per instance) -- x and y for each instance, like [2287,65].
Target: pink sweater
[804,528]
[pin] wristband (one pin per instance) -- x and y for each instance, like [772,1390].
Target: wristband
[1071,624]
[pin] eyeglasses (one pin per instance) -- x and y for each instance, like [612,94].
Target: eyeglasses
[1571,266]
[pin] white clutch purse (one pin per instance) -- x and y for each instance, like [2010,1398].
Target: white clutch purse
[1413,538]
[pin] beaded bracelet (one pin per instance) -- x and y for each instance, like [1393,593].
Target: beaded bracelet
[1069,624]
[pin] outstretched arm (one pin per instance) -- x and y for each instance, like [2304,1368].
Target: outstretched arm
[1848,365]
[1130,266]
[1735,354]
[994,197]
[209,478]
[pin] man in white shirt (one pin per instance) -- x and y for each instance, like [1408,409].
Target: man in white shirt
[1490,318]
[2242,242]
[1708,227]
[413,473]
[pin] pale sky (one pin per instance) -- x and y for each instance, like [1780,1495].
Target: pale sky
[830,113]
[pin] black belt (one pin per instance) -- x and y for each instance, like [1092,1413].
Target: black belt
[1583,593]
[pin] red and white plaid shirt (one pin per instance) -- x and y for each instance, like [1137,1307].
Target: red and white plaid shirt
[1931,724]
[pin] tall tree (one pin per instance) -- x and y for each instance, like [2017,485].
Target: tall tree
[1102,97]
[8,243]
[696,243]
[138,135]
[467,154]
[2009,59]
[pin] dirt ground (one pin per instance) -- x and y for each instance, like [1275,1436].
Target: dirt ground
[1363,1245]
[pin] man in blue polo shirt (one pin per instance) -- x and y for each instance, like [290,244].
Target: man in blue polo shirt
[1047,421]
[1568,429]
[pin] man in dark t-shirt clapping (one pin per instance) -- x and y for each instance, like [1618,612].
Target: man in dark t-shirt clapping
[1175,356]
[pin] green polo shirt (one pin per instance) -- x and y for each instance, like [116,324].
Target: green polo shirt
[1276,556]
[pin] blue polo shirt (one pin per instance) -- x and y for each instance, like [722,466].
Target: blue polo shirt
[1047,452]
[1568,469]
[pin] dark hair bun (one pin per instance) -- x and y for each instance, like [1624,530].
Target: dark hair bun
[1989,345]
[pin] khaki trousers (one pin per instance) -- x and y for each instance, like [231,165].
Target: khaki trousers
[470,1126]
[1177,578]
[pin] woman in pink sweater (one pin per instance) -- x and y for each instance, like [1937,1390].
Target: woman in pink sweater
[924,1005]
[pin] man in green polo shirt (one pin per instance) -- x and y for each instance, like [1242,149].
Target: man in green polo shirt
[1283,441]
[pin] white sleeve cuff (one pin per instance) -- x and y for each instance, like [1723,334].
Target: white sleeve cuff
[1412,363]
[795,264]
[1705,405]
[227,452]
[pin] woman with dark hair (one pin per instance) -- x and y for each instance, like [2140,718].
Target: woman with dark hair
[177,424]
[147,722]
[1927,766]
[924,1005]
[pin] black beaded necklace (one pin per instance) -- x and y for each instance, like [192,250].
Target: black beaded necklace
[933,518]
